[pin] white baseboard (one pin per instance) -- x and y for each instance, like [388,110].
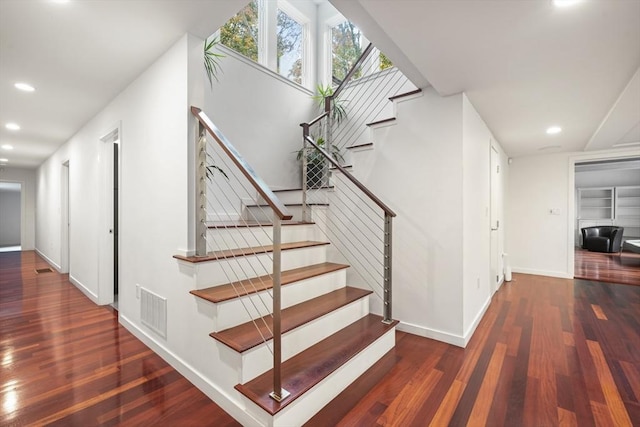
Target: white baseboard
[423,331]
[559,274]
[219,396]
[49,260]
[93,297]
[476,321]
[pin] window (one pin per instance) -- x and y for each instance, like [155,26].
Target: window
[347,44]
[240,33]
[272,34]
[290,38]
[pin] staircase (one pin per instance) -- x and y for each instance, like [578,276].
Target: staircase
[329,337]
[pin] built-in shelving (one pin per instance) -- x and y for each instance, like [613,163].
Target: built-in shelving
[610,206]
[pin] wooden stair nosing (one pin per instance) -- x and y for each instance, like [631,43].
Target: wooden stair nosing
[308,368]
[256,250]
[324,187]
[379,122]
[402,95]
[250,334]
[229,291]
[251,224]
[289,205]
[368,144]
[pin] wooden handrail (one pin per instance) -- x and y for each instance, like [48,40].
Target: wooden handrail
[353,70]
[262,189]
[316,120]
[351,178]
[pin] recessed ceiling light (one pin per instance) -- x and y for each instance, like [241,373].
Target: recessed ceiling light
[565,3]
[12,126]
[553,130]
[7,147]
[24,87]
[4,160]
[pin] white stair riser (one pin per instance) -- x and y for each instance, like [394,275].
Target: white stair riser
[218,272]
[231,313]
[244,237]
[294,197]
[254,213]
[302,409]
[258,360]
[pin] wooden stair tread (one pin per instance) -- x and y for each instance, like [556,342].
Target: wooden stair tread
[291,204]
[243,337]
[324,187]
[368,144]
[233,290]
[402,95]
[379,122]
[310,367]
[251,223]
[232,253]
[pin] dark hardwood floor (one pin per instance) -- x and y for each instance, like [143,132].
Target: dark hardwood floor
[622,267]
[67,362]
[548,352]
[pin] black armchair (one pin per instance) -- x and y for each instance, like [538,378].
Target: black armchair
[603,238]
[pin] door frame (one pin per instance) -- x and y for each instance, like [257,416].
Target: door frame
[106,258]
[571,192]
[65,218]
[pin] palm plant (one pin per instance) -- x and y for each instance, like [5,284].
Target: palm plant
[212,59]
[338,112]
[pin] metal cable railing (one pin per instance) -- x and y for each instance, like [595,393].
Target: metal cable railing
[363,97]
[225,185]
[352,218]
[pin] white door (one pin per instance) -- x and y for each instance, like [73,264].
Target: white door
[495,220]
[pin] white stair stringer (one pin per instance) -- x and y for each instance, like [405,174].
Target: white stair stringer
[227,314]
[302,409]
[259,359]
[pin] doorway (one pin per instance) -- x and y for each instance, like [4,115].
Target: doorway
[109,219]
[10,216]
[65,262]
[494,163]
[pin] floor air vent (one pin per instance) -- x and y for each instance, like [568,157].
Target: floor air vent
[153,311]
[44,270]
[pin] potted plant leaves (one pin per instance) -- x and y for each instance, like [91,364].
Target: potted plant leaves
[316,162]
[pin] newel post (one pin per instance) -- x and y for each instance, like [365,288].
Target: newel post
[201,191]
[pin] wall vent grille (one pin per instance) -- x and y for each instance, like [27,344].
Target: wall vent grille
[153,312]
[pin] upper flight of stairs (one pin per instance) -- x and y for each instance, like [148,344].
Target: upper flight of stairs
[329,337]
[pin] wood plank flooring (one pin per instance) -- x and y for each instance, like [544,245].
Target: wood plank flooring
[67,362]
[623,267]
[548,352]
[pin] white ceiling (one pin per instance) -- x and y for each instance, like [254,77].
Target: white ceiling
[525,64]
[79,56]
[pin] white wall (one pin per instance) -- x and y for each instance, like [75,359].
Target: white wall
[26,177]
[432,168]
[10,217]
[476,144]
[260,112]
[417,171]
[154,118]
[542,243]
